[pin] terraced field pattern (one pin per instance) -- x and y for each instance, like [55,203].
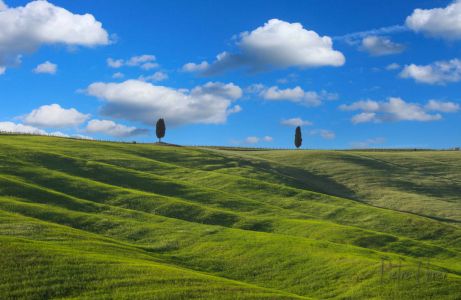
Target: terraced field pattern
[83,219]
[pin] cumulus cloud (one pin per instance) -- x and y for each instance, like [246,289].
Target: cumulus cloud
[193,67]
[323,133]
[395,109]
[118,75]
[437,22]
[3,6]
[439,72]
[255,88]
[380,46]
[11,127]
[59,134]
[446,107]
[392,66]
[24,29]
[145,61]
[115,63]
[252,140]
[54,116]
[46,68]
[157,76]
[295,122]
[142,101]
[296,94]
[111,128]
[255,139]
[268,139]
[140,60]
[275,93]
[235,109]
[364,117]
[275,45]
[2,70]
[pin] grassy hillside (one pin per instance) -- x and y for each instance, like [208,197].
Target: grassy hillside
[83,219]
[386,179]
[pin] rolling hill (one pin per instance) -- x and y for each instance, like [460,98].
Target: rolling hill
[83,219]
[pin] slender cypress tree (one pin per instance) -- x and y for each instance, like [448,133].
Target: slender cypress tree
[160,129]
[298,137]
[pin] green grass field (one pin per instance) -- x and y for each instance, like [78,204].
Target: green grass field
[92,220]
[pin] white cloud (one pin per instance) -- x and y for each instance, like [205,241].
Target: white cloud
[255,88]
[355,37]
[437,22]
[235,109]
[3,6]
[11,127]
[24,29]
[149,65]
[54,116]
[46,68]
[439,72]
[395,109]
[276,44]
[364,117]
[192,67]
[141,59]
[368,143]
[296,122]
[142,101]
[145,61]
[366,105]
[393,66]
[255,139]
[325,134]
[296,94]
[268,139]
[446,107]
[252,140]
[59,134]
[274,93]
[115,63]
[118,75]
[379,46]
[2,70]
[111,128]
[157,76]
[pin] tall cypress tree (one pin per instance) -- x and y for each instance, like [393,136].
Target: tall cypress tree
[160,129]
[298,137]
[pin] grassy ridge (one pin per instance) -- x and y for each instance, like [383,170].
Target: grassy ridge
[387,179]
[120,220]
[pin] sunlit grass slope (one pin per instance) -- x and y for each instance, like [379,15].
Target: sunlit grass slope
[85,219]
[422,182]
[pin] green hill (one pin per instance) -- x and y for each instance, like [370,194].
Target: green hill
[93,220]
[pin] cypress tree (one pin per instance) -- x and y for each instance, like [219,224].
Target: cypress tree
[160,129]
[298,137]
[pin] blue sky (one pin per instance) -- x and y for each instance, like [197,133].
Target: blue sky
[351,73]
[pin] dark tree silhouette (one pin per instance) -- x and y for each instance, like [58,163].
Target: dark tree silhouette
[160,129]
[298,137]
